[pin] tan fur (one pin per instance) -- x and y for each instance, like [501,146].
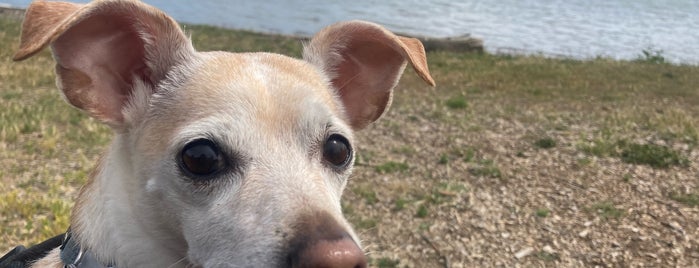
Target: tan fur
[268,114]
[51,260]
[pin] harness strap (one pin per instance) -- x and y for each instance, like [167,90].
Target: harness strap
[19,257]
[73,255]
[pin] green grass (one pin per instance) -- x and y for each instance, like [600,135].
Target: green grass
[626,177]
[690,199]
[458,102]
[607,210]
[386,263]
[486,168]
[545,143]
[400,204]
[443,159]
[365,224]
[422,211]
[444,192]
[546,256]
[367,194]
[391,167]
[657,156]
[542,212]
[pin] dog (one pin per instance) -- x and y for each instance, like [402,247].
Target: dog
[219,159]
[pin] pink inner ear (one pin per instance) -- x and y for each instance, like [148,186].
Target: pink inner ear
[369,70]
[97,61]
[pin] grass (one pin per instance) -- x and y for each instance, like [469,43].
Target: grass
[391,167]
[458,102]
[545,143]
[364,224]
[367,194]
[443,159]
[607,210]
[690,199]
[422,211]
[657,156]
[547,256]
[651,55]
[444,192]
[399,204]
[542,212]
[386,263]
[486,168]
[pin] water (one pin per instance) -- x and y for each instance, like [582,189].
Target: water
[619,29]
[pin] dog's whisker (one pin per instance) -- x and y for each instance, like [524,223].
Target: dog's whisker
[178,262]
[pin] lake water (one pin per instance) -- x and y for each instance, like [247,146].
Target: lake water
[619,29]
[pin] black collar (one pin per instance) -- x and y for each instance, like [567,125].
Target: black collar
[21,257]
[74,256]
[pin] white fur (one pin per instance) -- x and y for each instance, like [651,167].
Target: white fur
[145,192]
[269,114]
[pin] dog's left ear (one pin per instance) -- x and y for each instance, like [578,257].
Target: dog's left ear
[106,52]
[364,62]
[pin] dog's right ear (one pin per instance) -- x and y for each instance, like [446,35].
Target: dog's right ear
[105,51]
[364,62]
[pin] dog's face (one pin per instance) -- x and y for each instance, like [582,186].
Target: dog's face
[250,148]
[223,158]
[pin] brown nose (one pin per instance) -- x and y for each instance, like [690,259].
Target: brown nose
[321,242]
[338,253]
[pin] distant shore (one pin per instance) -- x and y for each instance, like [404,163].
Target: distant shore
[454,44]
[11,12]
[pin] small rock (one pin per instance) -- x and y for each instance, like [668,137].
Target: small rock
[676,226]
[584,233]
[524,252]
[548,249]
[587,223]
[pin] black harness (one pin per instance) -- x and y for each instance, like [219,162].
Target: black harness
[21,257]
[72,254]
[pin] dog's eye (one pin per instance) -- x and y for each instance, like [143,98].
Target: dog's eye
[202,158]
[337,151]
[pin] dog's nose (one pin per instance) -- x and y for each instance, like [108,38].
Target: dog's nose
[333,253]
[320,241]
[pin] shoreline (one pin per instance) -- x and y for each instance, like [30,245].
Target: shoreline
[459,44]
[451,44]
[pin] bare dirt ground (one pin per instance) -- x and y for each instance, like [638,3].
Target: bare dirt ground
[490,197]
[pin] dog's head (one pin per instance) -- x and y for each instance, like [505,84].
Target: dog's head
[229,157]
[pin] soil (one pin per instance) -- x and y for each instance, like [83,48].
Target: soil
[555,207]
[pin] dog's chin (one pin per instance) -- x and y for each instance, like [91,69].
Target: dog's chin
[255,261]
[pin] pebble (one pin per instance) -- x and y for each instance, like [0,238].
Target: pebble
[676,226]
[524,252]
[548,249]
[584,233]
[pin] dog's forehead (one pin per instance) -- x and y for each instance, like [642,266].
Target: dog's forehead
[269,87]
[270,92]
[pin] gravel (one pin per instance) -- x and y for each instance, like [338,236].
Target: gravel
[602,212]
